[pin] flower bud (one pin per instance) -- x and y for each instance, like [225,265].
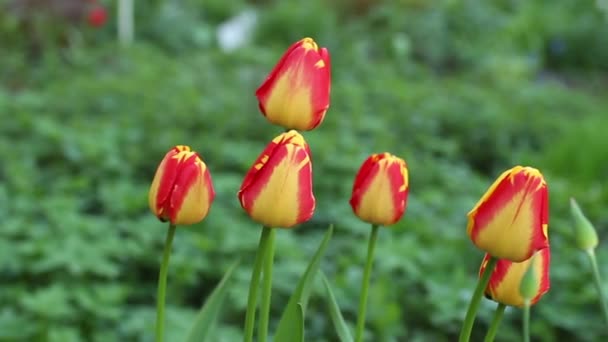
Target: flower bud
[510,221]
[277,190]
[295,95]
[182,190]
[585,234]
[380,189]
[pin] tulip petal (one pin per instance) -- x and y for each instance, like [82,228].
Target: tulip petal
[511,219]
[281,195]
[380,190]
[504,285]
[181,191]
[193,193]
[164,179]
[296,93]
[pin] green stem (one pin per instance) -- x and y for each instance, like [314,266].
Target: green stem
[467,325]
[598,282]
[266,287]
[162,285]
[500,311]
[527,321]
[365,285]
[252,299]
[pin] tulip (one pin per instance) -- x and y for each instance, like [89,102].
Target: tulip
[182,190]
[295,95]
[505,280]
[97,17]
[510,221]
[380,189]
[277,190]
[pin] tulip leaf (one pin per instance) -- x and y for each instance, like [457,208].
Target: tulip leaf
[335,313]
[289,321]
[207,316]
[299,324]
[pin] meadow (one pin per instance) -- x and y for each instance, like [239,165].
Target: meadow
[462,90]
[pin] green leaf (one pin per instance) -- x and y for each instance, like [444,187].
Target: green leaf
[289,319]
[299,328]
[335,313]
[207,316]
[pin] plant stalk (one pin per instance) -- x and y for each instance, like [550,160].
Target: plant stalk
[500,311]
[467,325]
[365,284]
[162,285]
[266,287]
[527,321]
[252,298]
[598,282]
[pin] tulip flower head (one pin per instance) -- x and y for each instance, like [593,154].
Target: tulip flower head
[97,16]
[510,221]
[277,190]
[182,190]
[380,189]
[505,281]
[295,95]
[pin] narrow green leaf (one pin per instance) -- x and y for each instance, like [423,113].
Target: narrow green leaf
[289,320]
[299,332]
[335,313]
[207,316]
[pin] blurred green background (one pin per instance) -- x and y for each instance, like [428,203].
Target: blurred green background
[461,89]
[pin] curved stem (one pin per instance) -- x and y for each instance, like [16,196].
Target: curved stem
[252,299]
[500,311]
[527,321]
[365,285]
[598,282]
[266,287]
[162,285]
[467,325]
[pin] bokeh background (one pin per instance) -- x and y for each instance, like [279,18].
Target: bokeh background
[461,89]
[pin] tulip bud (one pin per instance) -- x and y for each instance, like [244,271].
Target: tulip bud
[380,189]
[529,282]
[182,190]
[277,190]
[585,234]
[510,221]
[506,279]
[295,95]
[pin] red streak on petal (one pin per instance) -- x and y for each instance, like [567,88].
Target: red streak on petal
[188,173]
[399,197]
[306,197]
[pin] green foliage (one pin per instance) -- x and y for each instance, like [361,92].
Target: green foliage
[292,318]
[340,326]
[460,89]
[208,315]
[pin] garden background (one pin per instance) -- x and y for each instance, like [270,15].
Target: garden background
[461,89]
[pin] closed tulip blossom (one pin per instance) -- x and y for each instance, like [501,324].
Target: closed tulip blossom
[505,280]
[380,189]
[510,221]
[295,95]
[182,190]
[277,190]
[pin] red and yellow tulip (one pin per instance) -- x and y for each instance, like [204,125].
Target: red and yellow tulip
[295,95]
[380,189]
[277,190]
[182,190]
[504,285]
[510,221]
